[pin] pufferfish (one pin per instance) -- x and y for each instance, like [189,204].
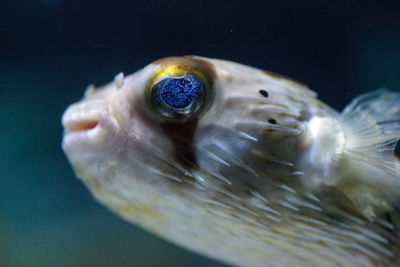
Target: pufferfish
[243,165]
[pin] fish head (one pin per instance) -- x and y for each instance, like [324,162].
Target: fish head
[128,127]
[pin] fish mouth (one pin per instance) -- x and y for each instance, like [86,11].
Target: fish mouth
[80,133]
[86,128]
[82,118]
[79,126]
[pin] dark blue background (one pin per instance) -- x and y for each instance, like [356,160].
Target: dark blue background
[50,50]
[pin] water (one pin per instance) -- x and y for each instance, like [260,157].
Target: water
[50,50]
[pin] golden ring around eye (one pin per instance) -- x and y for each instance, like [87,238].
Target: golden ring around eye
[179,75]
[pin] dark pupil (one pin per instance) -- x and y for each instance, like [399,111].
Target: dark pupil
[179,92]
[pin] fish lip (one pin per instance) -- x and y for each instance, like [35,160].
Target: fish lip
[86,135]
[82,134]
[78,137]
[79,125]
[82,116]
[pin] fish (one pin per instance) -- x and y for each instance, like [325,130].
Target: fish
[242,165]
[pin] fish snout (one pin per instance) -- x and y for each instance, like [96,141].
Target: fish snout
[88,126]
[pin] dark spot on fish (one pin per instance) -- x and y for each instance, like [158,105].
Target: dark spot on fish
[263,93]
[305,115]
[390,225]
[397,206]
[388,218]
[397,150]
[272,121]
[393,223]
[182,138]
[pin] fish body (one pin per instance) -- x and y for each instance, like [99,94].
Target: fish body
[242,165]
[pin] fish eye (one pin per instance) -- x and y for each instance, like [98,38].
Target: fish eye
[178,96]
[178,92]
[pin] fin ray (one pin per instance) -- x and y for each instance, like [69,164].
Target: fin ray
[370,173]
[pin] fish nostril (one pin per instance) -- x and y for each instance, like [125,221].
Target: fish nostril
[76,126]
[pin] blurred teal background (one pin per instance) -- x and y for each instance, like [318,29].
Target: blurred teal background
[50,50]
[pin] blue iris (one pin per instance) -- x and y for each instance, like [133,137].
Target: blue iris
[178,92]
